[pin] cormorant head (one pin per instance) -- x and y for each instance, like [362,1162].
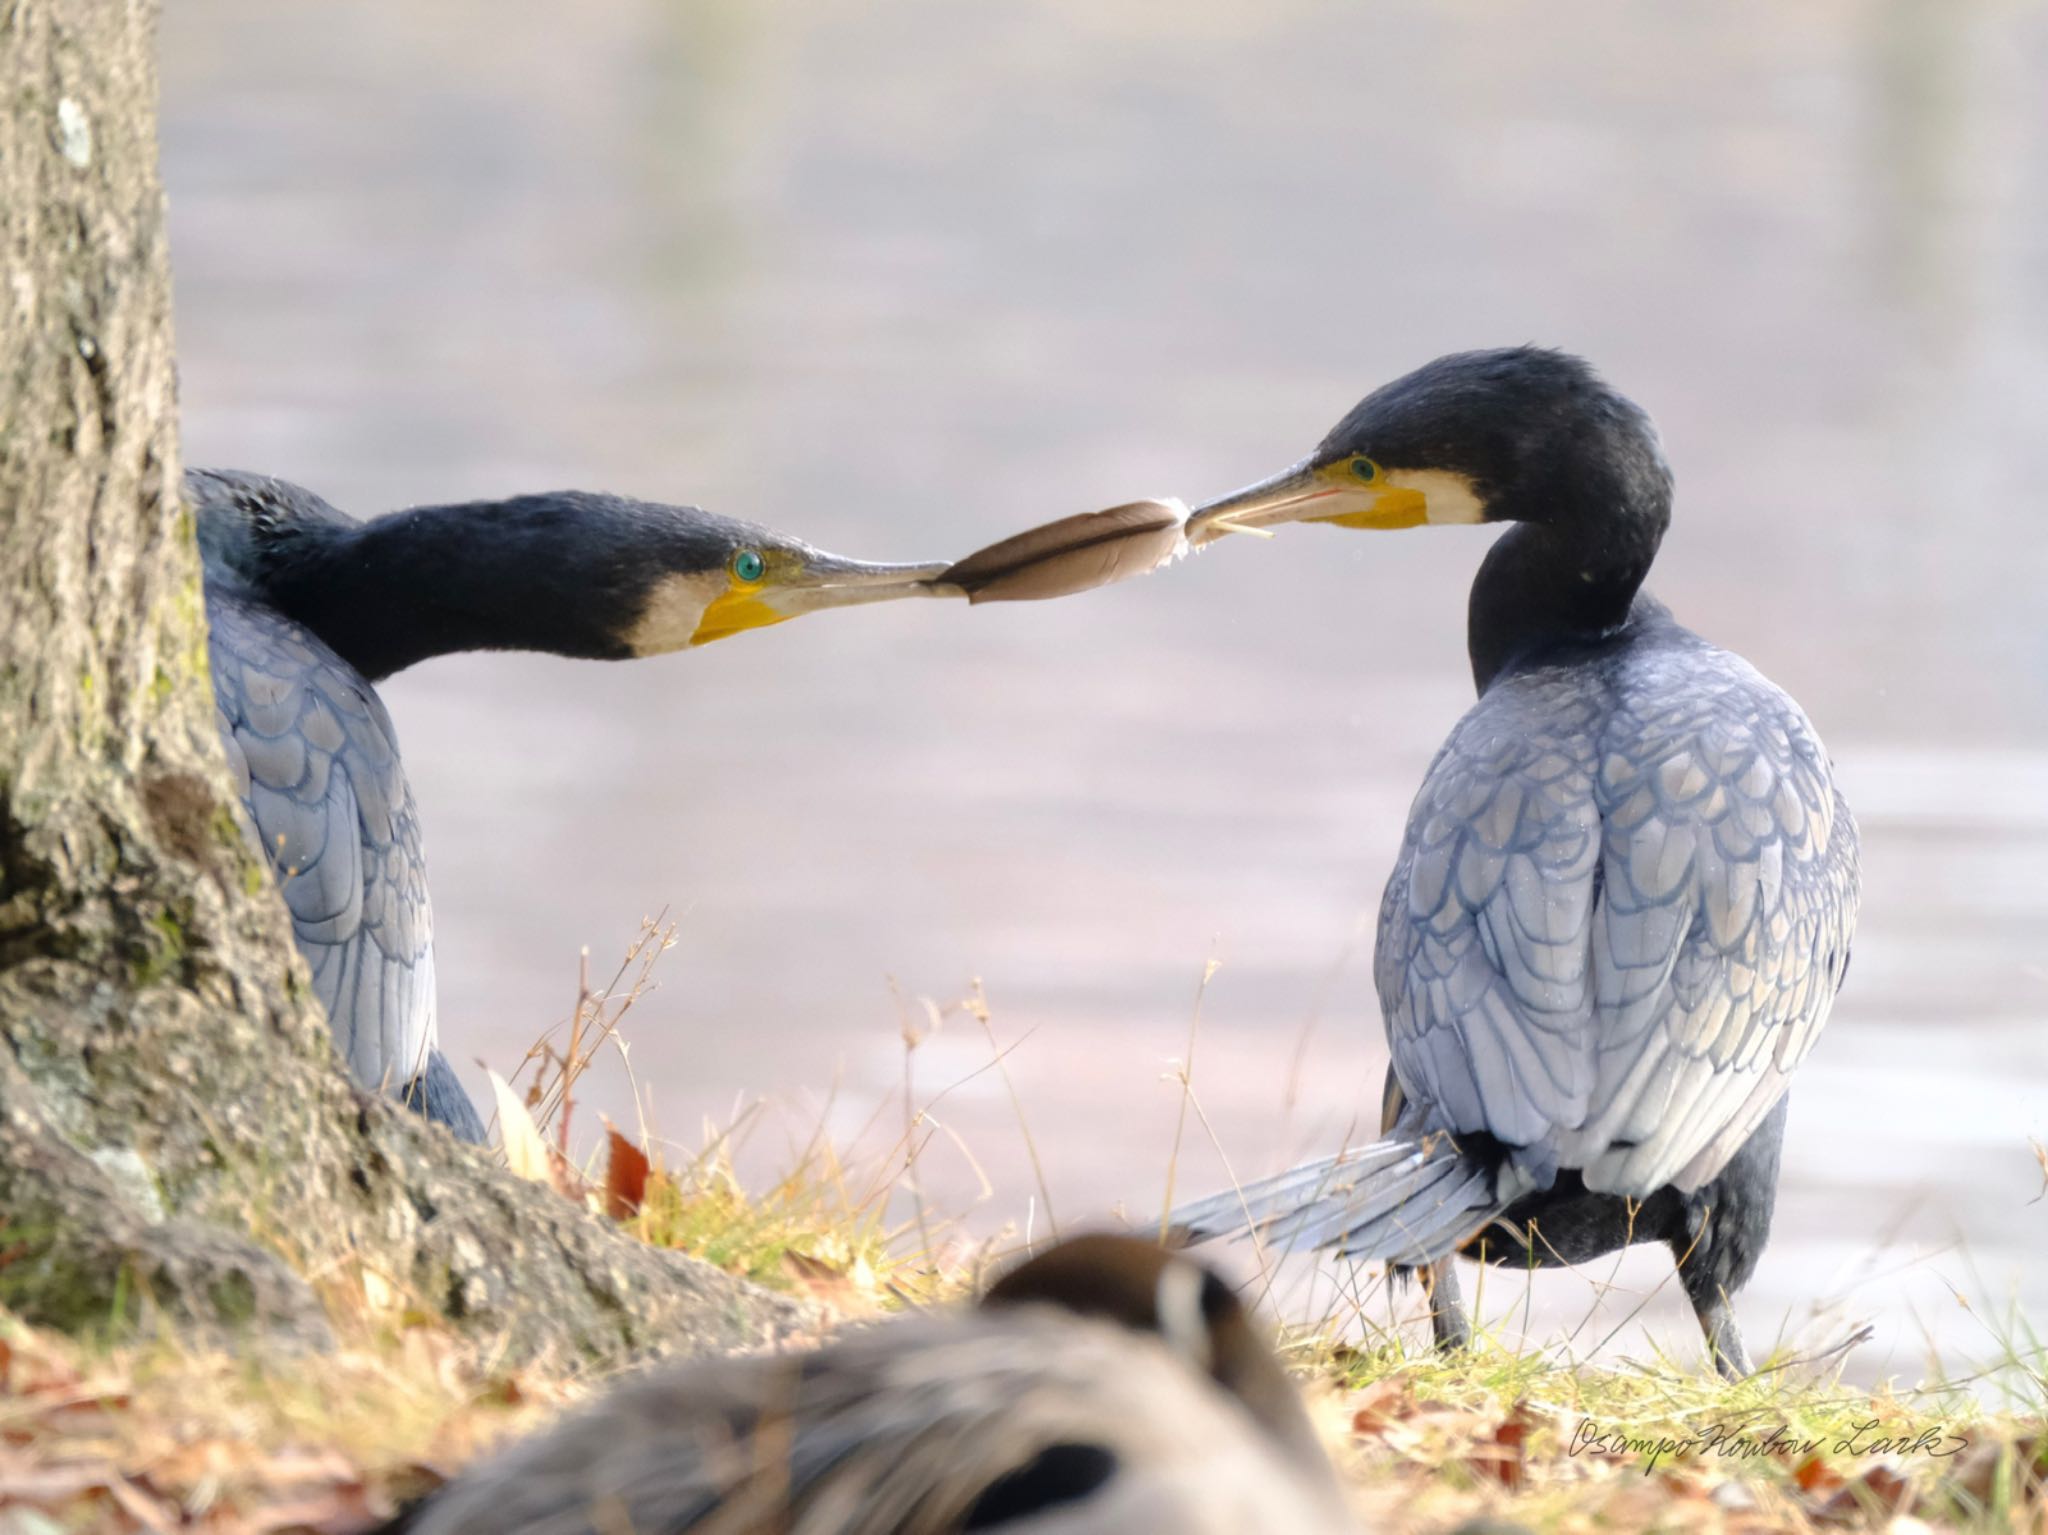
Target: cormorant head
[719,576]
[1515,435]
[1143,1286]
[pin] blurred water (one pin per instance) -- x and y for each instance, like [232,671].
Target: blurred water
[903,276]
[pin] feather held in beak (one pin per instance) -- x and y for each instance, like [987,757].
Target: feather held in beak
[1074,554]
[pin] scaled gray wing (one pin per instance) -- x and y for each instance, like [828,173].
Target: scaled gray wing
[1729,900]
[1483,962]
[1619,917]
[316,762]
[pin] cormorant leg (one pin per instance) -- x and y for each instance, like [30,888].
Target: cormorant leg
[1447,1320]
[1724,1338]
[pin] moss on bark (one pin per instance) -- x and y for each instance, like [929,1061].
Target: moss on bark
[177,1140]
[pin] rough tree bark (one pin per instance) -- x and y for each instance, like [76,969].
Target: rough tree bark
[177,1140]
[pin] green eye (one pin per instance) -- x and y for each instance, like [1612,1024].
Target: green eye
[748,565]
[1365,469]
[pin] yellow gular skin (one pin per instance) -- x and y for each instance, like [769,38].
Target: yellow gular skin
[1392,507]
[1403,498]
[734,612]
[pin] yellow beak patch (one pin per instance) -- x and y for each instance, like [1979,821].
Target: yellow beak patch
[1393,506]
[733,613]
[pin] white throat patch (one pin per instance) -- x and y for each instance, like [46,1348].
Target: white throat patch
[1450,497]
[674,609]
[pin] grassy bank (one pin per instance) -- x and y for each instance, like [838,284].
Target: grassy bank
[131,1438]
[159,1438]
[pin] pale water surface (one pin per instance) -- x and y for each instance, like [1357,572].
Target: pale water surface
[904,276]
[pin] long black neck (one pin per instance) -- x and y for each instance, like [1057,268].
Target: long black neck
[566,573]
[1570,581]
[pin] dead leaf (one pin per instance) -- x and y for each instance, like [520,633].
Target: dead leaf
[342,1510]
[625,1176]
[1815,1477]
[838,1290]
[30,1482]
[1684,1484]
[1879,1490]
[1377,1406]
[1501,1456]
[526,1154]
[144,1510]
[1976,1474]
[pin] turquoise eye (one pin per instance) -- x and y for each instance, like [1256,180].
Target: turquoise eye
[1365,469]
[747,565]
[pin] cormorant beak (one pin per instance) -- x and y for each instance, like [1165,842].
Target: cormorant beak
[823,581]
[1328,492]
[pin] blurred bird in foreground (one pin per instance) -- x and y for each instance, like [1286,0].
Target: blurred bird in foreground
[307,608]
[1105,1385]
[1624,902]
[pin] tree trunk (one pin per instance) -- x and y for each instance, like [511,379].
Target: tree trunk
[177,1139]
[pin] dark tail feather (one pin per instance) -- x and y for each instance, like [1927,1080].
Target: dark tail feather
[1407,1201]
[437,1094]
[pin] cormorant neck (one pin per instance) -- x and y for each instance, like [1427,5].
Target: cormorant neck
[566,573]
[1555,583]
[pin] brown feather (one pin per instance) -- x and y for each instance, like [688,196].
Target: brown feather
[1074,554]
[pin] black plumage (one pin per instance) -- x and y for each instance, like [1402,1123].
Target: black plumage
[1624,901]
[307,607]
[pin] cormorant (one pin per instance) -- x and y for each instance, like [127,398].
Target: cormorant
[1102,1386]
[1624,901]
[307,608]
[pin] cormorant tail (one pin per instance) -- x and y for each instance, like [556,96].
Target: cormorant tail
[1410,1200]
[437,1094]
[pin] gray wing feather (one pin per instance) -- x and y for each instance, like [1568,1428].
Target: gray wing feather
[316,761]
[1730,898]
[1483,964]
[1620,916]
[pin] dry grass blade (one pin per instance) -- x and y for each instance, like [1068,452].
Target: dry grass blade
[1184,1073]
[977,1007]
[593,1025]
[173,1439]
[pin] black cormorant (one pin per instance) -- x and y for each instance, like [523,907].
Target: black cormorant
[1624,901]
[1104,1386]
[308,607]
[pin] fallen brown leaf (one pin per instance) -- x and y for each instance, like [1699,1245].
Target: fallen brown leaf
[137,1505]
[1685,1484]
[625,1176]
[833,1288]
[1501,1456]
[1880,1490]
[1976,1474]
[1378,1405]
[1815,1477]
[30,1481]
[336,1511]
